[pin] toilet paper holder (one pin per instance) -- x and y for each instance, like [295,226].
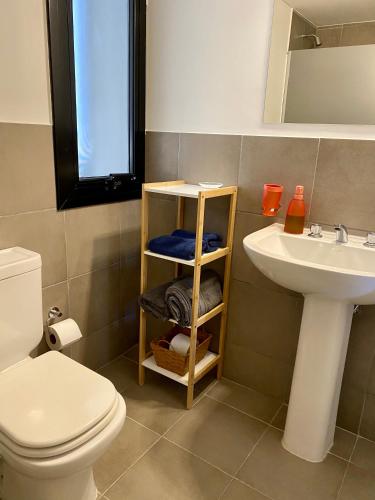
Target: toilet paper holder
[53,313]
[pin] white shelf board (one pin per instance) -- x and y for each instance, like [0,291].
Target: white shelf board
[150,363]
[175,259]
[187,190]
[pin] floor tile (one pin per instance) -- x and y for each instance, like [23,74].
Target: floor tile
[251,402]
[239,491]
[358,485]
[280,419]
[364,455]
[343,443]
[167,472]
[132,353]
[129,445]
[283,476]
[121,372]
[217,433]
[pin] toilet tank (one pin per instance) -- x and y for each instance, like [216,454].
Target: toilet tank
[21,317]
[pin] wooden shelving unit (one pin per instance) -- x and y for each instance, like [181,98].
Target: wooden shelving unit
[182,190]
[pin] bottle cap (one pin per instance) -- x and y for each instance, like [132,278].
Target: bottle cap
[298,195]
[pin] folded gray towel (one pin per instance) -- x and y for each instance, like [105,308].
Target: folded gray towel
[153,301]
[179,294]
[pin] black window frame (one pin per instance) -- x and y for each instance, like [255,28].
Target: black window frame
[71,191]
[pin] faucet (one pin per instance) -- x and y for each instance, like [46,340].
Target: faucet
[341,233]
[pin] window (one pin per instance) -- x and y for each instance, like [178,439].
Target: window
[97,53]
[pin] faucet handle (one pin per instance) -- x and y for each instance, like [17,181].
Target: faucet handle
[370,240]
[315,231]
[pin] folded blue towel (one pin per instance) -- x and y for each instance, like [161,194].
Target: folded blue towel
[213,240]
[175,246]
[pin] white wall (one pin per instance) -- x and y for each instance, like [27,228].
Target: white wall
[207,70]
[24,81]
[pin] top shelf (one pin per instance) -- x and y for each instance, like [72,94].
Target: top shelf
[187,190]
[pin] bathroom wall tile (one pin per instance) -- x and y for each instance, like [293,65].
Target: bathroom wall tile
[217,444]
[251,325]
[330,36]
[261,373]
[161,156]
[350,407]
[361,349]
[168,472]
[245,399]
[130,285]
[42,232]
[103,345]
[343,444]
[94,299]
[343,164]
[281,160]
[280,419]
[130,220]
[166,216]
[358,34]
[206,157]
[128,446]
[300,26]
[242,268]
[26,159]
[92,238]
[215,218]
[358,484]
[239,491]
[283,476]
[367,428]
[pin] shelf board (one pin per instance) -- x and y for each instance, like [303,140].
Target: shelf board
[206,317]
[208,362]
[185,190]
[206,257]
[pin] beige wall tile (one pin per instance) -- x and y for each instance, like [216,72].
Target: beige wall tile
[130,285]
[350,407]
[161,156]
[278,160]
[94,299]
[330,37]
[262,373]
[130,220]
[92,238]
[358,34]
[251,325]
[213,158]
[42,232]
[300,26]
[27,173]
[344,186]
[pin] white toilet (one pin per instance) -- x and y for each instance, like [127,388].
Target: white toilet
[56,416]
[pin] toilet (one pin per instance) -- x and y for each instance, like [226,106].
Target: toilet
[57,417]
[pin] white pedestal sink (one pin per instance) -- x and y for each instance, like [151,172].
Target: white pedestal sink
[332,277]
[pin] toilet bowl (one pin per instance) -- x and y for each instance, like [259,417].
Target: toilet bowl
[57,417]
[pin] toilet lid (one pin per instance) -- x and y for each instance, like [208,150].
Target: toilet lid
[51,400]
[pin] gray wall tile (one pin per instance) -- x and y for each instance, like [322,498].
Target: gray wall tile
[212,158]
[358,34]
[277,160]
[161,156]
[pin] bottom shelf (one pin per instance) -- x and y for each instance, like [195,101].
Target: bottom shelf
[209,361]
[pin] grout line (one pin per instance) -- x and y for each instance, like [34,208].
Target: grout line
[178,155]
[314,177]
[252,449]
[144,426]
[238,410]
[95,270]
[30,212]
[66,248]
[240,162]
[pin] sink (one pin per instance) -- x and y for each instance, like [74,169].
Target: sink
[332,278]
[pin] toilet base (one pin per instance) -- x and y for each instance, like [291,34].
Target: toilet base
[17,486]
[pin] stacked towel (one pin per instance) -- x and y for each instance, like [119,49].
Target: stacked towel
[179,294]
[181,244]
[153,301]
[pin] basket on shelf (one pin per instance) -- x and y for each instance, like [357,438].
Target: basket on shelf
[173,361]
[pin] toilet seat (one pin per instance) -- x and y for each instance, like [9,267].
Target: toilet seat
[36,419]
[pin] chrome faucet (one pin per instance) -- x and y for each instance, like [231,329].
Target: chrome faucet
[341,233]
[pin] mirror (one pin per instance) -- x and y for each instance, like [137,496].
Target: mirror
[322,62]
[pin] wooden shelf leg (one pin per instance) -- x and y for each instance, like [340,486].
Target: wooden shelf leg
[195,298]
[179,225]
[144,271]
[226,282]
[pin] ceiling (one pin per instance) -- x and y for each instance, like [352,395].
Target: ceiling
[324,12]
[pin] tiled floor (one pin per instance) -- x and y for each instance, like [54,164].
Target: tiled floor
[227,447]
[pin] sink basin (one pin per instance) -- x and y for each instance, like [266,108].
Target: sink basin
[332,277]
[318,266]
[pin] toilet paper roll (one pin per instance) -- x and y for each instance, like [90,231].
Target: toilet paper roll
[180,344]
[62,334]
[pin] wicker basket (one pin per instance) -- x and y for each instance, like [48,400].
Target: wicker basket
[173,361]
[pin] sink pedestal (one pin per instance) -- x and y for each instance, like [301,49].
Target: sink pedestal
[314,398]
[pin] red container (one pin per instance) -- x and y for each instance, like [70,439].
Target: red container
[271,199]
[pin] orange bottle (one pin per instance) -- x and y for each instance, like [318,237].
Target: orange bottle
[295,217]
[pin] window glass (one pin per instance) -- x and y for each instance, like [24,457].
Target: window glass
[101,61]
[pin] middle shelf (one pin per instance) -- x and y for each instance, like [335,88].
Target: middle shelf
[205,259]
